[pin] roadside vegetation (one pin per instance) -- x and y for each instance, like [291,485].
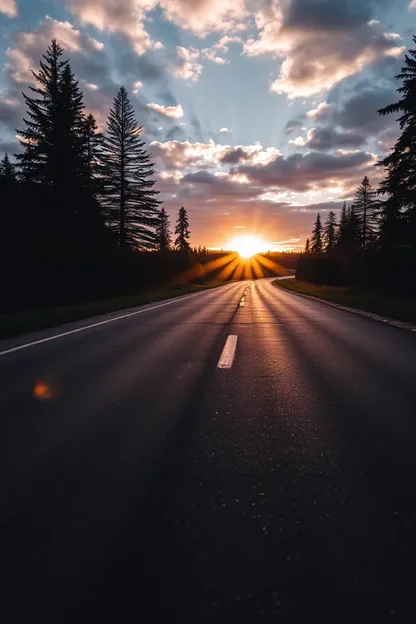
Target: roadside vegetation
[33,320]
[373,243]
[399,307]
[81,218]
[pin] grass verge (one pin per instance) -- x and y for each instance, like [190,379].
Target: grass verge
[395,307]
[33,320]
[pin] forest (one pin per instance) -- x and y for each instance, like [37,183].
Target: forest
[80,215]
[373,243]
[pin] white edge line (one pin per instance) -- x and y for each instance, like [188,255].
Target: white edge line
[81,329]
[228,353]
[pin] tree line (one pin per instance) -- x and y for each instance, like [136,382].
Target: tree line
[76,201]
[374,241]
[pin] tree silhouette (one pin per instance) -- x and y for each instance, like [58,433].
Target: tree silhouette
[342,234]
[316,240]
[400,182]
[53,165]
[330,232]
[40,139]
[9,215]
[182,231]
[353,233]
[129,196]
[365,207]
[307,246]
[163,236]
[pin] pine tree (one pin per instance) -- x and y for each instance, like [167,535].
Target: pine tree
[53,165]
[182,231]
[307,246]
[8,176]
[330,232]
[163,236]
[128,195]
[400,183]
[365,207]
[40,160]
[9,215]
[353,231]
[92,143]
[342,233]
[316,240]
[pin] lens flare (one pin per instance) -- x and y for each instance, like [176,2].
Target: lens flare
[42,391]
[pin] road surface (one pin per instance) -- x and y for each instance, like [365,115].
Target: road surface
[151,471]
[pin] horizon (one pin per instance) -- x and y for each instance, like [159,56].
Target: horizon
[293,130]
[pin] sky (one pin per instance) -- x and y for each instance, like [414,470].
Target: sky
[258,113]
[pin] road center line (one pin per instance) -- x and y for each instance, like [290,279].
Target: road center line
[81,329]
[228,353]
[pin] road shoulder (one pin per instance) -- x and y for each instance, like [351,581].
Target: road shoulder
[370,315]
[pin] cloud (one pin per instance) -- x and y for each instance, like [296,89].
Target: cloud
[174,112]
[320,112]
[330,138]
[225,41]
[89,62]
[8,7]
[353,120]
[186,65]
[212,55]
[294,124]
[412,5]
[321,42]
[136,86]
[224,131]
[204,16]
[29,47]
[9,110]
[126,17]
[306,172]
[182,155]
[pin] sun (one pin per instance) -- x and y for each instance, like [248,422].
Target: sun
[248,246]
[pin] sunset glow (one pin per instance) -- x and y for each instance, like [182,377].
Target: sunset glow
[248,246]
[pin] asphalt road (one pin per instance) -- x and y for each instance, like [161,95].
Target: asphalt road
[141,482]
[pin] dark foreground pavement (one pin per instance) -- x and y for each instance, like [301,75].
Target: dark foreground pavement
[144,484]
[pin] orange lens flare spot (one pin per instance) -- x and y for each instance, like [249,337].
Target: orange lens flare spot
[42,391]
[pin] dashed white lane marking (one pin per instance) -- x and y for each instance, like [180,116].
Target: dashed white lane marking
[81,329]
[242,302]
[228,353]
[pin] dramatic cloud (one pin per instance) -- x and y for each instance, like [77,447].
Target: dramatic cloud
[320,112]
[353,121]
[302,173]
[321,41]
[128,17]
[179,155]
[331,138]
[204,16]
[174,112]
[88,60]
[8,7]
[29,47]
[186,65]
